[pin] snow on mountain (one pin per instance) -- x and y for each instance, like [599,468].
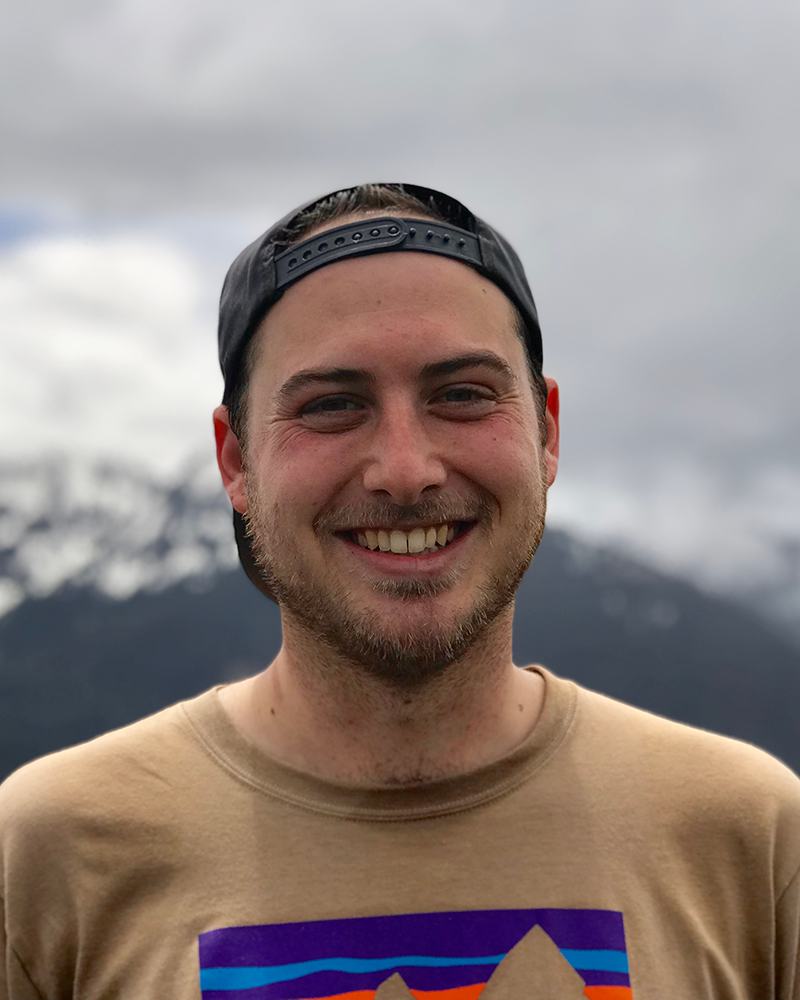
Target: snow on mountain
[112,528]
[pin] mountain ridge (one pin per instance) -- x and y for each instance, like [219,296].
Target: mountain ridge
[77,662]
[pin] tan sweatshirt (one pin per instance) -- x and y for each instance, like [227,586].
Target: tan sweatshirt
[614,855]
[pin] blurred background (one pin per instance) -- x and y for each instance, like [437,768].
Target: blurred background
[644,159]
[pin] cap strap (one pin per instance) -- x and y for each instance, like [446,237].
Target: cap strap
[375,236]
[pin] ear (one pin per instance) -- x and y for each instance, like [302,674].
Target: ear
[229,459]
[553,431]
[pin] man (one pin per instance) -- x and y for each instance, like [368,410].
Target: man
[392,808]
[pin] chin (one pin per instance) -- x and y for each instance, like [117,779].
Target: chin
[406,645]
[405,631]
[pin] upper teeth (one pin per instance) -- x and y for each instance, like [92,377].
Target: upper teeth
[416,541]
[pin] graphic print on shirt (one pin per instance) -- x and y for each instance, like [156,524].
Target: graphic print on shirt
[461,955]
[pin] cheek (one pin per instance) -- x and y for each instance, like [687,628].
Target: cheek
[294,445]
[301,470]
[502,458]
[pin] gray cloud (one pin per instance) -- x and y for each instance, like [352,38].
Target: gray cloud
[135,102]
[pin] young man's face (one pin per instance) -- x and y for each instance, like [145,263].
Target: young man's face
[390,401]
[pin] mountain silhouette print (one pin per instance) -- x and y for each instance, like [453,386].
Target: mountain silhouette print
[394,988]
[534,969]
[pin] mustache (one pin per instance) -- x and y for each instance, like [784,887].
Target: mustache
[384,513]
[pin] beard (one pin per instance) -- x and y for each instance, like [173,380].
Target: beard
[411,645]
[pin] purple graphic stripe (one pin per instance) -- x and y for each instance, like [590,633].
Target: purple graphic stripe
[462,933]
[257,993]
[601,977]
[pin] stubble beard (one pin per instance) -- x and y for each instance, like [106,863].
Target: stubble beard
[413,647]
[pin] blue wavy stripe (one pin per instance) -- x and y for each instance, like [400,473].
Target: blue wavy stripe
[600,961]
[250,977]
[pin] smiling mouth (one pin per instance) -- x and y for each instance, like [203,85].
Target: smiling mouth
[418,541]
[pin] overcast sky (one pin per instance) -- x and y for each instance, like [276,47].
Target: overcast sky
[644,158]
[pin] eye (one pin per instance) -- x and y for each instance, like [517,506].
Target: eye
[462,394]
[464,402]
[330,404]
[332,413]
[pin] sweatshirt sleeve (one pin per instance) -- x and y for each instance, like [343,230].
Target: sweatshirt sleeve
[787,929]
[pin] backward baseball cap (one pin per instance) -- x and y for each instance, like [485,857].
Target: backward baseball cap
[272,263]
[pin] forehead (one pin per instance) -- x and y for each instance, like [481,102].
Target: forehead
[391,306]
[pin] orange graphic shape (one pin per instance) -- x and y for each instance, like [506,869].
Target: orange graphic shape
[456,993]
[473,993]
[608,993]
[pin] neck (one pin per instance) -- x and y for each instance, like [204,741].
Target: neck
[329,718]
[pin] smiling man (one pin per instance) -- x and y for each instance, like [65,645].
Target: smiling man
[392,808]
[391,466]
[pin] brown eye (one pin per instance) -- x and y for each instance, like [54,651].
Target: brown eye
[334,406]
[330,404]
[463,395]
[463,402]
[333,414]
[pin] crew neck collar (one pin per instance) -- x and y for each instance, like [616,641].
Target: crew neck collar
[231,750]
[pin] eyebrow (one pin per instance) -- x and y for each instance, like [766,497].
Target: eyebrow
[478,359]
[316,376]
[359,376]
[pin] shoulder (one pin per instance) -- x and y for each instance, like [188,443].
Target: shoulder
[120,775]
[679,752]
[698,786]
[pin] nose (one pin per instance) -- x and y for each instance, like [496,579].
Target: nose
[403,462]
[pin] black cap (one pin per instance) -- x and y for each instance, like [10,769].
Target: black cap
[265,269]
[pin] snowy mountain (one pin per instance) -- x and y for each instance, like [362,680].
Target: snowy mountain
[122,594]
[110,528]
